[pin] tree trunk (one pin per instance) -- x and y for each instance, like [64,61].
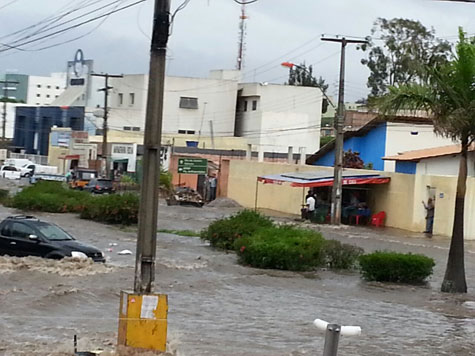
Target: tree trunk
[454,280]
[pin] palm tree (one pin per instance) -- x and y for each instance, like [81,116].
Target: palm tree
[449,96]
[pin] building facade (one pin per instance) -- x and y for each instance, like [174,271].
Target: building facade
[380,138]
[275,117]
[35,90]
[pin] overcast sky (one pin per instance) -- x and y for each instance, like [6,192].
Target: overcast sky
[205,36]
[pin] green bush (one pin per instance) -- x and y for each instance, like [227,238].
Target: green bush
[4,195]
[165,180]
[285,248]
[112,209]
[341,256]
[384,266]
[52,197]
[222,233]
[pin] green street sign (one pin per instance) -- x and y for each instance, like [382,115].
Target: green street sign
[192,166]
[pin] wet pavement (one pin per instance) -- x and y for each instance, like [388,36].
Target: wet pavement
[217,307]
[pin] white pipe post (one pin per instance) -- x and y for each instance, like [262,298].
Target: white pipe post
[290,155]
[302,155]
[249,152]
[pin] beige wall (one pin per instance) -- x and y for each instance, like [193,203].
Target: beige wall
[401,199]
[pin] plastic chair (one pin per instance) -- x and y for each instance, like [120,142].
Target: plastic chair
[378,219]
[357,218]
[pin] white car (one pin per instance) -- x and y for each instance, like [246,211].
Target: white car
[10,172]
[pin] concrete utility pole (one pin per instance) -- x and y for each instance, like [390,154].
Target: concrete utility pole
[105,154]
[337,189]
[148,211]
[5,83]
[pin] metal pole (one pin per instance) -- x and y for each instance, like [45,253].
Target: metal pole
[105,127]
[148,211]
[337,188]
[257,192]
[338,171]
[332,337]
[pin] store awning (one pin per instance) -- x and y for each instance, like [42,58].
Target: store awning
[322,179]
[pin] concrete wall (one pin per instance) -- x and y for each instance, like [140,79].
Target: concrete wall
[402,137]
[445,165]
[401,199]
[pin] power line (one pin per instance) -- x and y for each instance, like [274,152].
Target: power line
[18,46]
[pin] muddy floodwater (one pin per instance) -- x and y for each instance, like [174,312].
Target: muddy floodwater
[217,307]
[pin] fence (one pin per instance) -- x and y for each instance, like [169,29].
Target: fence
[42,160]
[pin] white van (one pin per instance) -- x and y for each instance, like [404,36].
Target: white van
[17,162]
[10,172]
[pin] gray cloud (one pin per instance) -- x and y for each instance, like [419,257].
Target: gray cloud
[205,36]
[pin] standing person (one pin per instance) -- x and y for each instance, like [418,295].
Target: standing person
[213,182]
[310,206]
[429,215]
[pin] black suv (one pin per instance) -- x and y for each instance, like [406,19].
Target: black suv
[27,236]
[99,186]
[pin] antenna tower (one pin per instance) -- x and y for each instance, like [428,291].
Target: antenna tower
[242,37]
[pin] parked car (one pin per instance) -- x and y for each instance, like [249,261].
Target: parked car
[99,186]
[28,236]
[10,172]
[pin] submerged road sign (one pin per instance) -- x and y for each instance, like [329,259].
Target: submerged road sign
[192,166]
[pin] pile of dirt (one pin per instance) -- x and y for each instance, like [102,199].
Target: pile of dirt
[224,203]
[66,267]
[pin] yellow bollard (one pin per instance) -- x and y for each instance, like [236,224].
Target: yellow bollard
[143,321]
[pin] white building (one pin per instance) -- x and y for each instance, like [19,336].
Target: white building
[439,161]
[278,116]
[35,90]
[275,117]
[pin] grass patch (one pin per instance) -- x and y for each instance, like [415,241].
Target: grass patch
[186,233]
[383,266]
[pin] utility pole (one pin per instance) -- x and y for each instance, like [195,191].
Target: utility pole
[148,210]
[5,83]
[105,128]
[337,190]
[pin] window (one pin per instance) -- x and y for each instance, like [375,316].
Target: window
[135,128]
[49,87]
[121,98]
[56,96]
[132,98]
[182,131]
[38,86]
[21,230]
[127,128]
[245,105]
[57,88]
[254,105]
[47,95]
[7,229]
[188,103]
[38,95]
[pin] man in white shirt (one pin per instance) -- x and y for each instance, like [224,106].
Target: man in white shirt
[310,207]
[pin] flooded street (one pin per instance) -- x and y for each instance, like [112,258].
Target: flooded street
[217,307]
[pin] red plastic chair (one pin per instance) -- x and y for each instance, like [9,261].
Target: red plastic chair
[356,218]
[378,219]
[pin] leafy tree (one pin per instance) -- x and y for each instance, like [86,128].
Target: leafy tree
[407,48]
[352,160]
[301,75]
[449,96]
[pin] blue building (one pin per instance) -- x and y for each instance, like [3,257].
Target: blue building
[380,138]
[33,126]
